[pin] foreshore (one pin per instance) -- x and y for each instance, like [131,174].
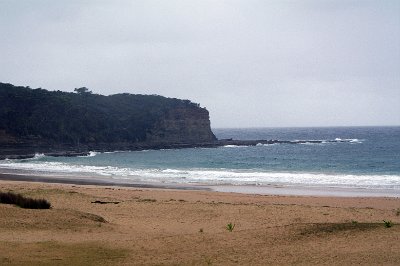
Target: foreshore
[110,224]
[279,190]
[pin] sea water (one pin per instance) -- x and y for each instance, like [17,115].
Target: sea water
[347,157]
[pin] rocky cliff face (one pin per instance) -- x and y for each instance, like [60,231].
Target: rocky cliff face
[183,125]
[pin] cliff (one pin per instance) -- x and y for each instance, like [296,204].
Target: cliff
[37,120]
[182,125]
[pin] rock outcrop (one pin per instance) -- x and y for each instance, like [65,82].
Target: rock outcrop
[183,125]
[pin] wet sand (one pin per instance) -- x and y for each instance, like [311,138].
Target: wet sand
[111,225]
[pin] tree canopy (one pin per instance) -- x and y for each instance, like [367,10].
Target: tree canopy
[82,90]
[81,117]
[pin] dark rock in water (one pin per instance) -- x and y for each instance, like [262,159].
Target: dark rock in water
[16,157]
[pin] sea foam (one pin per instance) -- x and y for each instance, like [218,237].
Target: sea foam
[91,154]
[210,176]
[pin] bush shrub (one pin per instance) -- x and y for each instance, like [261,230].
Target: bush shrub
[388,224]
[23,202]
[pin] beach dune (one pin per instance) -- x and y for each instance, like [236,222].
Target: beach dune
[92,225]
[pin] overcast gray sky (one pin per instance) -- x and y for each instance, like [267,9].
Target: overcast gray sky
[250,63]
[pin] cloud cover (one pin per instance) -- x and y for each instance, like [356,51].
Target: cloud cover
[250,63]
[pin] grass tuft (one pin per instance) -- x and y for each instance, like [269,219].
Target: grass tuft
[23,202]
[146,200]
[230,227]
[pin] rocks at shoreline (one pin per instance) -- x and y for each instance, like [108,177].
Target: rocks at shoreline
[26,152]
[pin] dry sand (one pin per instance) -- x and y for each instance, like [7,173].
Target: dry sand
[175,227]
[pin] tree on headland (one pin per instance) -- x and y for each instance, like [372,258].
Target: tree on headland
[82,90]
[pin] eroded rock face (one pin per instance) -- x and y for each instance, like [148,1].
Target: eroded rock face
[183,125]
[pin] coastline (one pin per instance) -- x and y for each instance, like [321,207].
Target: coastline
[149,226]
[278,190]
[92,181]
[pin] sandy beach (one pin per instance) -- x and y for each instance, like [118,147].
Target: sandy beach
[92,225]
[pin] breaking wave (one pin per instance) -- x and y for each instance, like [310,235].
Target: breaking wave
[209,176]
[308,142]
[235,146]
[326,141]
[348,140]
[91,154]
[36,157]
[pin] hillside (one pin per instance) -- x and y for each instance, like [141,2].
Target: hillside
[41,120]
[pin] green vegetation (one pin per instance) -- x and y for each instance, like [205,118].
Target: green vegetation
[147,200]
[230,227]
[81,117]
[388,224]
[23,202]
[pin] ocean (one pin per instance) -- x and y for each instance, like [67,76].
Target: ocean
[352,158]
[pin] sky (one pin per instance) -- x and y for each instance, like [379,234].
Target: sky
[250,63]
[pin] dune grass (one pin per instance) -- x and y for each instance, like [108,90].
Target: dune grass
[59,253]
[337,227]
[23,202]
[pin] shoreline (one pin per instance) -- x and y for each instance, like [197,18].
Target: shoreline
[92,182]
[312,191]
[276,190]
